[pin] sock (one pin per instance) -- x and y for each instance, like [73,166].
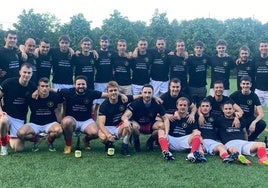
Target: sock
[34,139]
[125,146]
[68,141]
[261,152]
[50,140]
[163,143]
[86,139]
[4,140]
[126,139]
[224,155]
[195,143]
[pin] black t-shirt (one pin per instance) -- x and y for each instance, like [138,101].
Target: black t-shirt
[104,68]
[113,112]
[216,105]
[246,102]
[261,68]
[15,97]
[121,68]
[144,113]
[160,66]
[208,130]
[43,109]
[79,106]
[179,128]
[43,66]
[246,69]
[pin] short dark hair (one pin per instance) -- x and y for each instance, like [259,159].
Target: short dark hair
[174,80]
[218,82]
[221,42]
[246,78]
[43,79]
[85,39]
[80,77]
[27,65]
[147,85]
[183,99]
[12,32]
[199,43]
[45,40]
[104,37]
[65,38]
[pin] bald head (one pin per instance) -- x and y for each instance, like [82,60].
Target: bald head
[30,45]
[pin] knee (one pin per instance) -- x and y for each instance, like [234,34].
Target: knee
[67,122]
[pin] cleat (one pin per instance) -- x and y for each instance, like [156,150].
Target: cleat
[51,147]
[4,150]
[35,147]
[87,144]
[190,157]
[150,144]
[137,144]
[199,157]
[125,152]
[242,159]
[168,156]
[231,158]
[263,161]
[67,149]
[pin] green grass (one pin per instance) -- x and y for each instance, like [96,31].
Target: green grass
[145,169]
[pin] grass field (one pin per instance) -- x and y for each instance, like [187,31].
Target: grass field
[145,169]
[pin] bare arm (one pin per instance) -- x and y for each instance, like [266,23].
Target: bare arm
[260,115]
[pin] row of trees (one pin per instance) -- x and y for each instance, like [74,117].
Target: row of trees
[236,32]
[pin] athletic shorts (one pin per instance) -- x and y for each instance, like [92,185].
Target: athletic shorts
[81,125]
[136,89]
[243,146]
[179,143]
[210,144]
[102,87]
[15,125]
[62,86]
[41,128]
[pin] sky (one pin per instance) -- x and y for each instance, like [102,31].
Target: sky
[98,10]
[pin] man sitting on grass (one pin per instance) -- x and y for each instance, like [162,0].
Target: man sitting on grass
[235,139]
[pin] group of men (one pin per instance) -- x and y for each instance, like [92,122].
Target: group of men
[131,83]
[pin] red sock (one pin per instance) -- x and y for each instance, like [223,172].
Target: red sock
[68,141]
[34,139]
[163,143]
[50,140]
[195,143]
[4,140]
[224,155]
[261,152]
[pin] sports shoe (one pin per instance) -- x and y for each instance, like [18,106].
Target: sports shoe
[190,157]
[231,158]
[263,161]
[35,147]
[168,156]
[199,157]
[67,150]
[242,159]
[137,144]
[150,144]
[125,152]
[87,144]
[4,150]
[51,147]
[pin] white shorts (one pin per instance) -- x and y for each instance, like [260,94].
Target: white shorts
[210,144]
[179,143]
[136,89]
[62,86]
[102,87]
[81,125]
[14,126]
[225,92]
[113,130]
[263,96]
[41,128]
[125,90]
[159,87]
[243,146]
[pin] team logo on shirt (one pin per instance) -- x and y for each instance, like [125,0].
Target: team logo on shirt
[184,125]
[248,68]
[184,63]
[163,55]
[266,62]
[249,102]
[126,63]
[91,62]
[86,101]
[146,59]
[211,119]
[50,104]
[109,54]
[122,108]
[204,61]
[151,115]
[50,58]
[16,56]
[225,63]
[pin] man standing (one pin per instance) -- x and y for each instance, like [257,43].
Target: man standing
[141,116]
[43,119]
[251,106]
[15,92]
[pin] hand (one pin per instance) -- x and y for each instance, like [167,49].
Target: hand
[95,54]
[124,98]
[252,127]
[35,95]
[135,53]
[236,123]
[191,118]
[201,120]
[110,137]
[2,73]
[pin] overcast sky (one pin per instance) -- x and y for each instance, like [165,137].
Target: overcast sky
[98,10]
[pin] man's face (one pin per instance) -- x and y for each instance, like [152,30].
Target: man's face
[180,47]
[147,94]
[198,50]
[245,85]
[182,106]
[221,49]
[228,110]
[104,44]
[174,89]
[64,45]
[80,86]
[142,46]
[113,93]
[205,108]
[43,88]
[263,48]
[218,89]
[243,54]
[30,46]
[86,46]
[121,47]
[161,45]
[10,41]
[25,74]
[44,48]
